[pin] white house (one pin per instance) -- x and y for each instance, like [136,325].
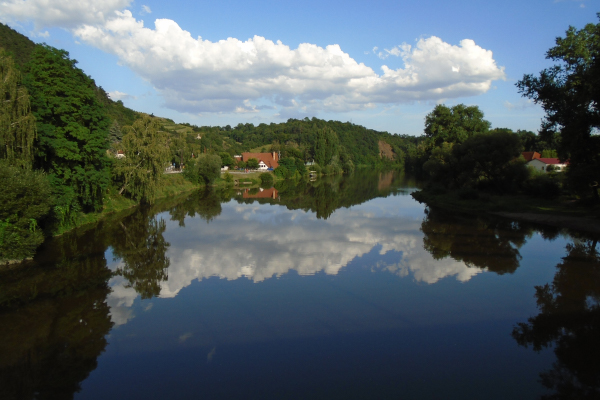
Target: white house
[262,166]
[542,164]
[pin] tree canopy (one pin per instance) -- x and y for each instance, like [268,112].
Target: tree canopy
[147,153]
[455,124]
[72,127]
[569,93]
[17,123]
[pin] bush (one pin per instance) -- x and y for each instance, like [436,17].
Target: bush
[266,179]
[282,172]
[542,185]
[228,177]
[25,199]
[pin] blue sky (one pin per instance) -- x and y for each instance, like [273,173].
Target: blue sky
[381,64]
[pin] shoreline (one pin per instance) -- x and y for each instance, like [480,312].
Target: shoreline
[556,213]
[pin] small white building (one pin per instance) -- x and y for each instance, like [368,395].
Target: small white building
[262,166]
[542,164]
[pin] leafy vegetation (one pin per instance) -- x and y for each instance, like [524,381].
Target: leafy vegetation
[569,92]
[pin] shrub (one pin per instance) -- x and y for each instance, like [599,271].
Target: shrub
[542,185]
[25,199]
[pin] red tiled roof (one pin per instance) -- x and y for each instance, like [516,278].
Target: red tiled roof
[270,159]
[553,161]
[530,155]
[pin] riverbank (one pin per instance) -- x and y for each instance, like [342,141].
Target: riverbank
[559,212]
[115,203]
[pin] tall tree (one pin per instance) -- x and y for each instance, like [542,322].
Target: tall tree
[569,93]
[454,125]
[17,123]
[72,128]
[146,156]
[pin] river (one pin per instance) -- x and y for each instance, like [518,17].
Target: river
[343,288]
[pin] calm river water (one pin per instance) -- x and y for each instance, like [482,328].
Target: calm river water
[336,289]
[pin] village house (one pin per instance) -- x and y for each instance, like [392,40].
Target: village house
[265,160]
[531,155]
[542,164]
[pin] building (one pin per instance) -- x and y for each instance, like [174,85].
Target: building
[531,155]
[265,160]
[542,164]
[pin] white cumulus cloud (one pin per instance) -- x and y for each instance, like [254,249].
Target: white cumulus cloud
[232,75]
[197,75]
[60,13]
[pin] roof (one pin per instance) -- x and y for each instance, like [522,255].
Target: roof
[270,159]
[530,155]
[552,161]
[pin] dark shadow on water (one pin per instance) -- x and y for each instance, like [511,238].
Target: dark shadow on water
[569,321]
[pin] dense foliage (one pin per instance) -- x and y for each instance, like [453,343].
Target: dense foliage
[17,123]
[569,92]
[146,151]
[72,128]
[455,124]
[204,169]
[24,199]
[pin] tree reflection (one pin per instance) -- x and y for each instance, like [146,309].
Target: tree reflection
[484,243]
[143,250]
[569,319]
[51,342]
[206,204]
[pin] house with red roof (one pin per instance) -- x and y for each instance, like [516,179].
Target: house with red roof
[265,160]
[542,164]
[530,155]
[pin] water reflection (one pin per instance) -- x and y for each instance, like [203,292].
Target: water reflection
[57,312]
[490,244]
[569,320]
[142,249]
[54,320]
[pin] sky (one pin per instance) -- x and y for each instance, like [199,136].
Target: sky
[381,64]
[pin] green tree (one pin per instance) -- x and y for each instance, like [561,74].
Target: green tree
[226,159]
[252,163]
[179,148]
[141,172]
[454,125]
[72,128]
[17,123]
[488,161]
[114,133]
[204,169]
[25,198]
[569,93]
[326,147]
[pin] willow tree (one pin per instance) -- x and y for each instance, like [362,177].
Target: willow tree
[147,153]
[17,123]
